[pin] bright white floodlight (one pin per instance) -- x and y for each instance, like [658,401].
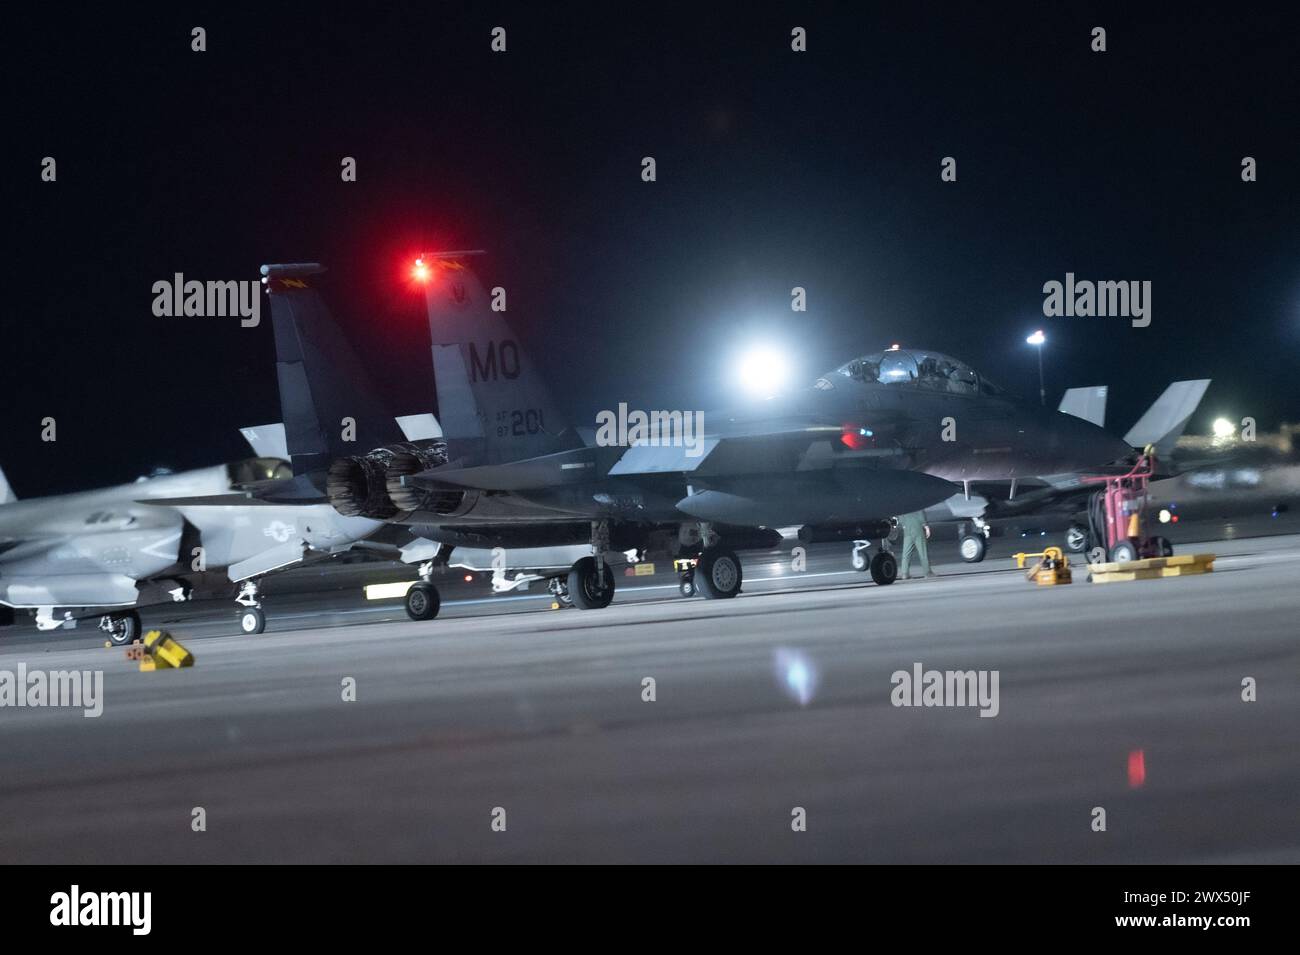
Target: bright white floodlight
[762,371]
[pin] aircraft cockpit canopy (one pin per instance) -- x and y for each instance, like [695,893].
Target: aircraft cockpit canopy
[929,370]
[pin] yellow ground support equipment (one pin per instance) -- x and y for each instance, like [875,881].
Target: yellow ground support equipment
[160,652]
[1182,566]
[1053,567]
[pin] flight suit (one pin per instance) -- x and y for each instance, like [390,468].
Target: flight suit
[913,526]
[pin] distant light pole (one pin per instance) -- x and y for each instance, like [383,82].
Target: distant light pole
[1037,339]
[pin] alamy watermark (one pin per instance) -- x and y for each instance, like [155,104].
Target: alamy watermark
[623,428]
[75,907]
[65,688]
[1085,298]
[922,687]
[194,299]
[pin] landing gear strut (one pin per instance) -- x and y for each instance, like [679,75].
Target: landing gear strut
[859,559]
[123,629]
[883,565]
[251,617]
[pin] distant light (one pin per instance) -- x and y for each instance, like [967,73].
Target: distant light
[469,578]
[1137,769]
[1165,515]
[1223,428]
[894,347]
[1037,338]
[763,371]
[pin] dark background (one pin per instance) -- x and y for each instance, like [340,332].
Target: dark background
[775,169]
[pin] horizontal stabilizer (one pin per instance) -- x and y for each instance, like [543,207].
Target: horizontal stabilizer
[1165,421]
[1087,403]
[7,495]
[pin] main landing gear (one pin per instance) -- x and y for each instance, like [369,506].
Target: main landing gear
[423,600]
[123,628]
[251,617]
[589,584]
[716,574]
[882,564]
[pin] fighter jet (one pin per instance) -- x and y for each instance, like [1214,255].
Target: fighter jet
[883,434]
[1065,497]
[102,553]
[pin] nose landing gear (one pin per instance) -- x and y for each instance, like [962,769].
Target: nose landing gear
[251,617]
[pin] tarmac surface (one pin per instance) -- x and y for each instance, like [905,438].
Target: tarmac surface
[1126,697]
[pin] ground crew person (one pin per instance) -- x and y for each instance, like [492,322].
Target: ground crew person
[914,534]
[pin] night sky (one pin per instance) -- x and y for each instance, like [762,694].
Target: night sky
[775,169]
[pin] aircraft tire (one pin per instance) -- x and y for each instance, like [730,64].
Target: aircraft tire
[251,620]
[719,574]
[423,601]
[588,589]
[972,548]
[1076,539]
[858,560]
[884,568]
[686,586]
[126,629]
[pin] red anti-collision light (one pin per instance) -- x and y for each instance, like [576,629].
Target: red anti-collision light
[856,437]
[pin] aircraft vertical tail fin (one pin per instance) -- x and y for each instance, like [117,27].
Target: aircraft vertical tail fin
[1086,403]
[492,403]
[7,495]
[267,440]
[1164,422]
[329,405]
